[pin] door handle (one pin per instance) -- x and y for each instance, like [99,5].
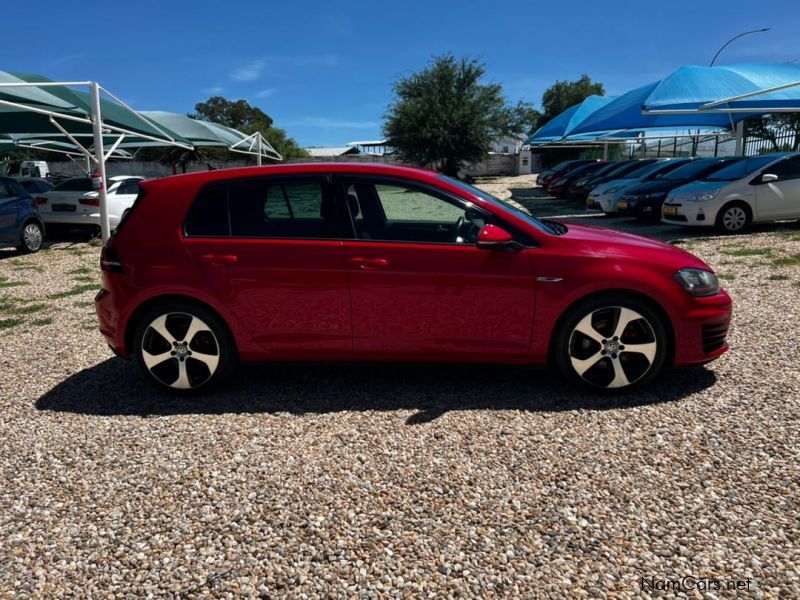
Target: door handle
[219,259]
[369,263]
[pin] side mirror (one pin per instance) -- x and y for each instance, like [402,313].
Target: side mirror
[768,178]
[492,237]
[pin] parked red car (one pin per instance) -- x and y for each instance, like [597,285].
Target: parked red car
[358,262]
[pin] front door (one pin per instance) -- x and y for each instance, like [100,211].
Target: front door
[420,287]
[272,249]
[780,199]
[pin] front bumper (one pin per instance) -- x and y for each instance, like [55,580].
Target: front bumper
[640,207]
[693,215]
[701,332]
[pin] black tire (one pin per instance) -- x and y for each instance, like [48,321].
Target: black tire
[606,355]
[180,370]
[31,237]
[734,217]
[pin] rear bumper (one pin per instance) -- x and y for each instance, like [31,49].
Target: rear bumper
[701,333]
[108,314]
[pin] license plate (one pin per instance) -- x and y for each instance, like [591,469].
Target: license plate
[63,208]
[622,205]
[671,210]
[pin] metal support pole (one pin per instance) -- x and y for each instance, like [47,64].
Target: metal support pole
[739,139]
[258,160]
[605,151]
[97,129]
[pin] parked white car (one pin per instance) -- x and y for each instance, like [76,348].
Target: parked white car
[754,190]
[74,204]
[606,195]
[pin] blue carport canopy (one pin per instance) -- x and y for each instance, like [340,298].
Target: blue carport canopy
[562,125]
[760,88]
[625,113]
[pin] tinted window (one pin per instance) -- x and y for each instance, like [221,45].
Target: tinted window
[787,169]
[741,168]
[130,186]
[36,187]
[208,216]
[79,184]
[5,191]
[286,210]
[690,170]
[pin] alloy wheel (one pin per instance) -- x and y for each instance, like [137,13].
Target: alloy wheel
[180,350]
[612,347]
[734,218]
[32,237]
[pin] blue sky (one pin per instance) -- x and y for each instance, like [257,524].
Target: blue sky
[323,70]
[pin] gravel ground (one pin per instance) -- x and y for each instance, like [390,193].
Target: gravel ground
[400,481]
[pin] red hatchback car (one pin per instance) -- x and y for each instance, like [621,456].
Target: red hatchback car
[358,262]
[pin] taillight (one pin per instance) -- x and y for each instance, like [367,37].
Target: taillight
[109,260]
[41,201]
[90,201]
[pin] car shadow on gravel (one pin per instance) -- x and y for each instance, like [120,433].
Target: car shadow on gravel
[117,387]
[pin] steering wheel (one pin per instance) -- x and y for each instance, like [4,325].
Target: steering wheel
[469,235]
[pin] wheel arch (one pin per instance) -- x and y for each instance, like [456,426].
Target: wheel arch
[136,316]
[641,296]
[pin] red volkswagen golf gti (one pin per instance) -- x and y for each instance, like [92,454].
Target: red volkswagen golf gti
[358,262]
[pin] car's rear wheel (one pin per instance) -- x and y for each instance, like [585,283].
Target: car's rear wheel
[733,217]
[184,348]
[30,238]
[611,344]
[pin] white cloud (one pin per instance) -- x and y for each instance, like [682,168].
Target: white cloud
[214,89]
[249,72]
[265,93]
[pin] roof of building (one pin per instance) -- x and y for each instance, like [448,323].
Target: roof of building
[336,151]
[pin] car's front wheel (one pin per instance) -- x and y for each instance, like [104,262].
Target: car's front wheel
[733,217]
[611,343]
[184,348]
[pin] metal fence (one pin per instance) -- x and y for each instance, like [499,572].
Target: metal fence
[771,139]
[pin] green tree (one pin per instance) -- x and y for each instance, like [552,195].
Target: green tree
[563,94]
[444,116]
[239,115]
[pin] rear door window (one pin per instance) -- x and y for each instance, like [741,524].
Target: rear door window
[286,209]
[269,208]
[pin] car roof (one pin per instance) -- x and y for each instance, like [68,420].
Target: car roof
[203,177]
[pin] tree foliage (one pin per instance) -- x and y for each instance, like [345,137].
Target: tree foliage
[563,94]
[444,116]
[239,114]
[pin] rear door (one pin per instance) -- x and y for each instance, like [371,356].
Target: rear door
[420,286]
[780,199]
[272,250]
[9,207]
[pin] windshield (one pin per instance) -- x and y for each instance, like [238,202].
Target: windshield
[741,168]
[688,171]
[527,217]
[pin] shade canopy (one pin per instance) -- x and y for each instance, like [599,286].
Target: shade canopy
[625,114]
[565,123]
[760,87]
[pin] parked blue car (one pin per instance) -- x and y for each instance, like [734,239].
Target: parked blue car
[20,223]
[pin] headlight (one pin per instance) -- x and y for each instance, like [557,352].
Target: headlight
[698,282]
[704,197]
